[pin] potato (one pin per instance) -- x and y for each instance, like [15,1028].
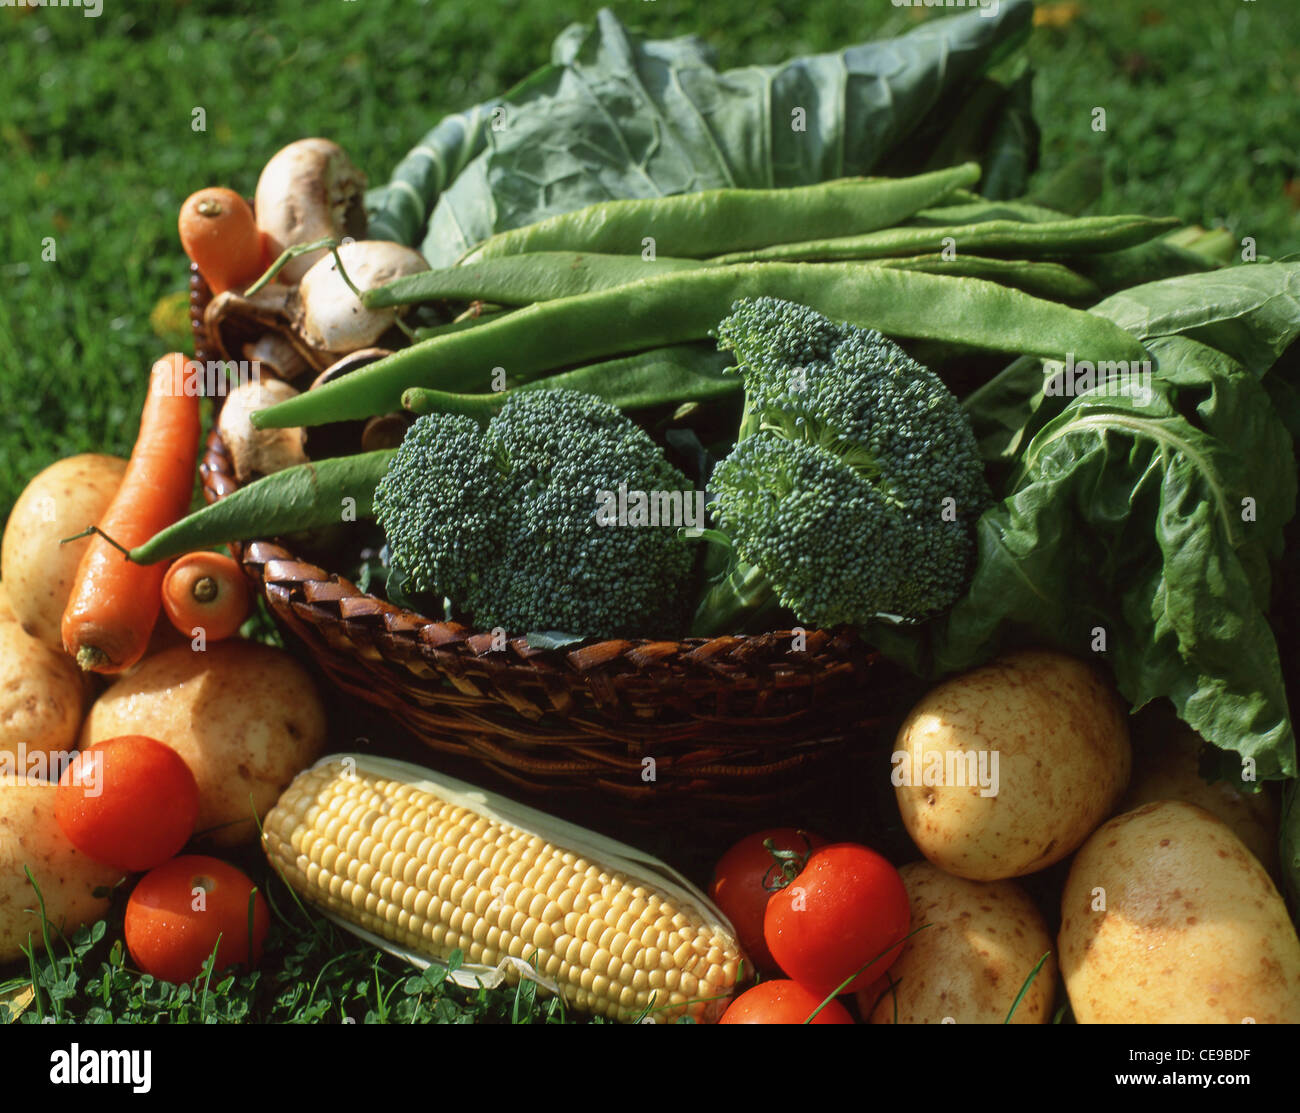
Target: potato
[246,718]
[984,940]
[1166,767]
[42,696]
[29,836]
[1167,918]
[1007,768]
[64,499]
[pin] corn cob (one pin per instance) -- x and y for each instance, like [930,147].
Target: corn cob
[422,865]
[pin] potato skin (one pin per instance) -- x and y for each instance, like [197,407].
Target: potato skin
[983,940]
[29,836]
[1166,768]
[246,719]
[1061,738]
[42,694]
[72,494]
[1193,930]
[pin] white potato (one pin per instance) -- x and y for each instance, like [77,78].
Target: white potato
[1006,769]
[30,837]
[1166,767]
[1167,918]
[982,941]
[66,498]
[245,718]
[42,695]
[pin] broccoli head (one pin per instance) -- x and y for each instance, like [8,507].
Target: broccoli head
[854,484]
[502,519]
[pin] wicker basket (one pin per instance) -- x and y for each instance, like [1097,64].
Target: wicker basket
[726,731]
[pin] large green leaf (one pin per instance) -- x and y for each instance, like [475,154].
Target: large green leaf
[1251,311]
[1012,151]
[399,210]
[618,116]
[1152,520]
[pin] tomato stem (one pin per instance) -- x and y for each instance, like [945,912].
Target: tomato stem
[786,864]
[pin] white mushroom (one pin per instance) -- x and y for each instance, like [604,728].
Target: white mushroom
[259,450]
[233,320]
[331,315]
[309,191]
[274,350]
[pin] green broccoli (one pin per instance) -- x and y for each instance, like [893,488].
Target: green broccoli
[502,519]
[854,484]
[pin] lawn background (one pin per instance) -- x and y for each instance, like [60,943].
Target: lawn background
[97,149]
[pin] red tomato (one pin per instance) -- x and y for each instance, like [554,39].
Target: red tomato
[848,907]
[737,886]
[782,1002]
[128,802]
[178,910]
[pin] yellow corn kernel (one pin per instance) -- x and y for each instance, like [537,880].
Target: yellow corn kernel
[397,851]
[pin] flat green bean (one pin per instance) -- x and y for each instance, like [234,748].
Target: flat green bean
[1042,279]
[1147,262]
[687,305]
[976,212]
[710,222]
[1018,238]
[524,279]
[679,373]
[308,496]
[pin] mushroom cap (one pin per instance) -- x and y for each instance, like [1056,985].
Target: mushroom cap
[332,316]
[259,450]
[307,191]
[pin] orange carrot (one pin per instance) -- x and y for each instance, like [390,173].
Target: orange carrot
[221,238]
[115,603]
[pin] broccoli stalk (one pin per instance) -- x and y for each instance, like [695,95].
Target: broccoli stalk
[854,484]
[742,598]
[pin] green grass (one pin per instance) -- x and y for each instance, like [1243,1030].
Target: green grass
[98,151]
[1202,101]
[310,972]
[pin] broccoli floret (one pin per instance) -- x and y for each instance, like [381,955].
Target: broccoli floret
[854,484]
[502,519]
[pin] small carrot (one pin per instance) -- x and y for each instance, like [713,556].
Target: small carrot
[206,591]
[221,237]
[114,602]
